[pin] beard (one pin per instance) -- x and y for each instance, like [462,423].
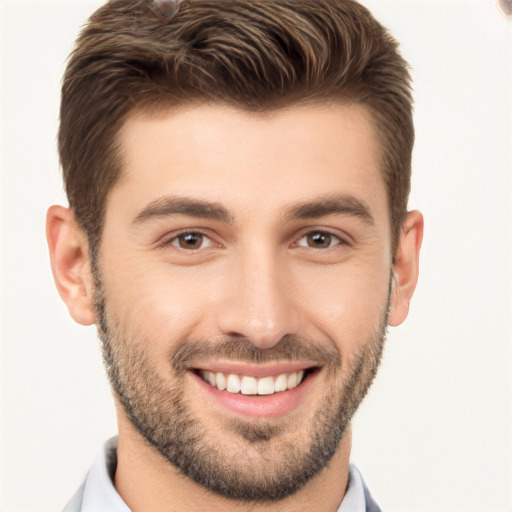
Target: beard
[259,459]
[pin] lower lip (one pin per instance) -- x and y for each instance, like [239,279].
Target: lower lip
[265,406]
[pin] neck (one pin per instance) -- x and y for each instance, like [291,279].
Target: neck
[147,482]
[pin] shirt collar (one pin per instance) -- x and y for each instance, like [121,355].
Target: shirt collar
[354,500]
[100,492]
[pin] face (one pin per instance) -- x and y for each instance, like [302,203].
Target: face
[242,289]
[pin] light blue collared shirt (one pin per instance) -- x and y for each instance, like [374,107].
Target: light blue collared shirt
[100,493]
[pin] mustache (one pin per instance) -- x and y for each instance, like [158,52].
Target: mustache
[290,348]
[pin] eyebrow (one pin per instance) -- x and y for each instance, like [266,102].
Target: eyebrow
[168,206]
[320,207]
[331,205]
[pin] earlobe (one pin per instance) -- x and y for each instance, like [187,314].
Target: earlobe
[406,267]
[71,268]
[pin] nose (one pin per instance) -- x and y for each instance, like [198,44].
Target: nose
[258,302]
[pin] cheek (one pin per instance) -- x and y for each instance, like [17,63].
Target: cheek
[155,305]
[347,304]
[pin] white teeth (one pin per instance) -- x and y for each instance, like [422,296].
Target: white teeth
[292,381]
[280,383]
[248,385]
[221,381]
[233,383]
[266,386]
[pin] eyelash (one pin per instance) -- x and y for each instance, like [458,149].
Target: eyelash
[331,237]
[175,240]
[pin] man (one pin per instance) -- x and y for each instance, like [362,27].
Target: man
[237,174]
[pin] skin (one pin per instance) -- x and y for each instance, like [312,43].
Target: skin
[256,275]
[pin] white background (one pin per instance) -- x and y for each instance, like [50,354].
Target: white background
[435,434]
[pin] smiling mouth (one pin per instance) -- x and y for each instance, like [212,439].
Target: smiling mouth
[248,385]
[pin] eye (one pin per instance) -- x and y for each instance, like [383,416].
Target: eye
[319,240]
[191,241]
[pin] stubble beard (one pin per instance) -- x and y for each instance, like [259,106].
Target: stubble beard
[270,460]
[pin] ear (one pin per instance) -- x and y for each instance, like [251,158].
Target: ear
[406,267]
[71,268]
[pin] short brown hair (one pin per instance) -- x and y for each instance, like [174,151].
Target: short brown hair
[257,55]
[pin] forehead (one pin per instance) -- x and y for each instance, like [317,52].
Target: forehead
[258,160]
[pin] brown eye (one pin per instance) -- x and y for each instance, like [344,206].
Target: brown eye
[190,241]
[319,240]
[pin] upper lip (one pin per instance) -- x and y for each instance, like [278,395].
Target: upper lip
[272,369]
